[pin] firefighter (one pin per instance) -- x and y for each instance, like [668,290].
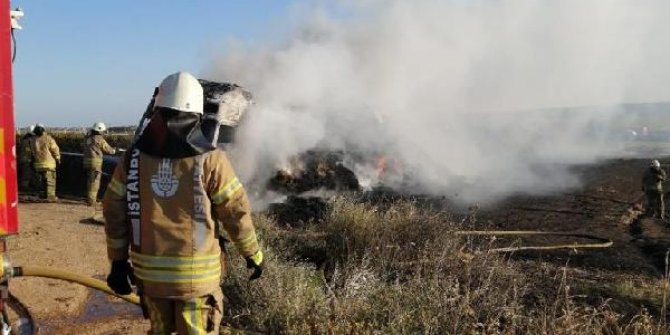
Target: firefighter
[652,185]
[46,157]
[95,147]
[160,209]
[25,158]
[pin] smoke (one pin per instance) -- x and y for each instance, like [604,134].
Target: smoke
[469,97]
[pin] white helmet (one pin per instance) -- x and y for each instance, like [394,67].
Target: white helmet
[99,127]
[180,91]
[656,164]
[31,128]
[39,129]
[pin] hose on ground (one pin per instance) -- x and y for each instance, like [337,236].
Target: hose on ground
[602,242]
[46,272]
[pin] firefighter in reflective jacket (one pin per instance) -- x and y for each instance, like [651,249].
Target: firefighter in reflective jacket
[46,156]
[652,185]
[160,210]
[95,147]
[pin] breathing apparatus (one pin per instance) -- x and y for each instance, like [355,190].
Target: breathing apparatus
[223,108]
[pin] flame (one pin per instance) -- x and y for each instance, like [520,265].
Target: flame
[292,168]
[382,166]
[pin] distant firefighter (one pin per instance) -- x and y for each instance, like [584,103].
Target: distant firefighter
[652,185]
[46,156]
[25,159]
[95,147]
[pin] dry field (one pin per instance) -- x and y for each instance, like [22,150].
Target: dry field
[391,265]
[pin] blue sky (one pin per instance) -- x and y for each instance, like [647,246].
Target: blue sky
[84,61]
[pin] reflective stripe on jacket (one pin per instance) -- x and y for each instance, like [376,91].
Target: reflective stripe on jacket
[174,249]
[45,152]
[176,269]
[95,147]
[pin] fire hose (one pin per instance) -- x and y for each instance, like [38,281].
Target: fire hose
[601,242]
[46,272]
[52,273]
[7,272]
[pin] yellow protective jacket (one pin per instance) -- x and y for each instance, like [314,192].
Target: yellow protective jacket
[45,152]
[95,147]
[173,239]
[652,180]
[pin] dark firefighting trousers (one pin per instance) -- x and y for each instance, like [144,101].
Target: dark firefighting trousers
[47,183]
[25,176]
[655,204]
[92,185]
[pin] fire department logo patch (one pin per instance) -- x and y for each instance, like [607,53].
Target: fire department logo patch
[164,183]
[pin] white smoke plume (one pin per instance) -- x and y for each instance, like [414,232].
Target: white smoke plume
[463,94]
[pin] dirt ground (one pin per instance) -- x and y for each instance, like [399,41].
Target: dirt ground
[607,205]
[58,235]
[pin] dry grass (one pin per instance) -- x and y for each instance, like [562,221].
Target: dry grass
[397,270]
[639,289]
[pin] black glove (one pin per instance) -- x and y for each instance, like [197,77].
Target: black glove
[121,277]
[255,262]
